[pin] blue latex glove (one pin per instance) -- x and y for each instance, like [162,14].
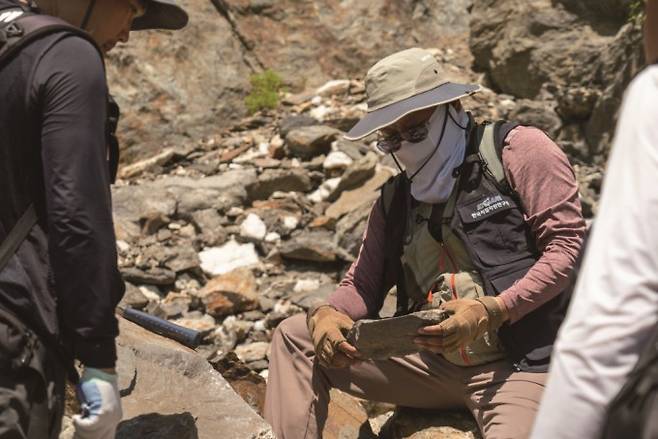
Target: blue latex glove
[98,393]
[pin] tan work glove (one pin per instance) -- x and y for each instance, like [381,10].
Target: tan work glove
[470,320]
[328,327]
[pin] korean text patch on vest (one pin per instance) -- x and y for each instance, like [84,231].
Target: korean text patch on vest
[495,228]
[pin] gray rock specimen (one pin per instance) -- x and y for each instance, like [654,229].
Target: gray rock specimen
[392,337]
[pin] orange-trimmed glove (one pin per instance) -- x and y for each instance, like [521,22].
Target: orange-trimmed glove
[470,320]
[328,328]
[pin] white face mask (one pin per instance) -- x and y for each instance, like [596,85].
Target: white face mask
[430,167]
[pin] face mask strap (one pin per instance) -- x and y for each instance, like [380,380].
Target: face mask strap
[436,148]
[397,163]
[453,119]
[90,10]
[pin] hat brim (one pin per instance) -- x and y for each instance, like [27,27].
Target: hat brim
[161,14]
[390,114]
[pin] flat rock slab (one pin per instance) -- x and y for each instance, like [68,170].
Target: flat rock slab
[392,337]
[177,394]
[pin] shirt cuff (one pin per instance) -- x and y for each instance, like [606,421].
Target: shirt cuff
[510,298]
[99,353]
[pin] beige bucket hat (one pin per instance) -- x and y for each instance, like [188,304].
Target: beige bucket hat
[402,83]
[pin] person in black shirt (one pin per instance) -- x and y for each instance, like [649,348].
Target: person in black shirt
[59,289]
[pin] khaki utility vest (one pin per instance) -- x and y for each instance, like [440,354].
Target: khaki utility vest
[440,270]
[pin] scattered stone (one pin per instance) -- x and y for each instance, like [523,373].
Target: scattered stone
[366,194]
[308,142]
[325,190]
[292,122]
[205,323]
[185,258]
[346,418]
[274,180]
[230,293]
[252,351]
[337,160]
[272,237]
[240,328]
[151,292]
[175,304]
[136,169]
[313,246]
[253,228]
[356,174]
[219,260]
[412,423]
[209,223]
[246,383]
[334,87]
[153,222]
[154,276]
[290,222]
[323,222]
[133,298]
[306,285]
[252,316]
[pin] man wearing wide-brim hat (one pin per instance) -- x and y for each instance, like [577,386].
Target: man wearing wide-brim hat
[59,281]
[482,225]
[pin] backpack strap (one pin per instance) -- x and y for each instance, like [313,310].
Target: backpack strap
[20,27]
[491,150]
[17,235]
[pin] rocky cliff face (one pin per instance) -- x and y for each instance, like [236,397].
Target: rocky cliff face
[229,224]
[572,58]
[177,86]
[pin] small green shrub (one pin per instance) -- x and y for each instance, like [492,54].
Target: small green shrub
[636,11]
[265,87]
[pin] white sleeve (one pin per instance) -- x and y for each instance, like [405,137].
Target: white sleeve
[615,306]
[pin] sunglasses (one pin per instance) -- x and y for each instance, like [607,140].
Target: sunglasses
[392,141]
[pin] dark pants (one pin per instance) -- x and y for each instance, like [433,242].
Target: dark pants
[32,390]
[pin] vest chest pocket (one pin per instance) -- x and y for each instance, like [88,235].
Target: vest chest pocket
[495,228]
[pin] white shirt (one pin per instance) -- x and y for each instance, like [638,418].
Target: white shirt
[615,306]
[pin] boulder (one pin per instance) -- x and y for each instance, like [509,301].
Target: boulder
[176,393]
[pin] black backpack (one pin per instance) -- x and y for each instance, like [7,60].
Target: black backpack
[634,411]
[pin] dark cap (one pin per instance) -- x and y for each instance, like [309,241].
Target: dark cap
[161,14]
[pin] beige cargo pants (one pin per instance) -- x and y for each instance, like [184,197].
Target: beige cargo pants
[504,402]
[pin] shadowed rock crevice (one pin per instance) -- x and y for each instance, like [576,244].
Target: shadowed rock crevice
[158,426]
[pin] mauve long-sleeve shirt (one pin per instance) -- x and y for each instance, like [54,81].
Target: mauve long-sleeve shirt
[540,173]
